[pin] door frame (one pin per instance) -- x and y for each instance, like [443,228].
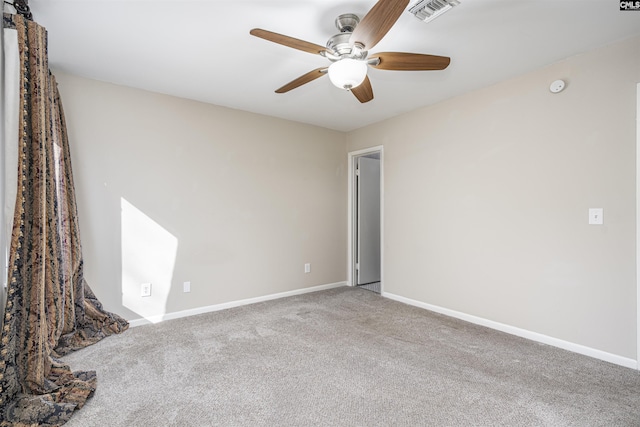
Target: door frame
[638,227]
[4,245]
[351,214]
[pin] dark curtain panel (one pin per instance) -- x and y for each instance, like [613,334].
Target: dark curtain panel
[50,309]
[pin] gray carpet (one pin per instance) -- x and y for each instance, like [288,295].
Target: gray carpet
[345,357]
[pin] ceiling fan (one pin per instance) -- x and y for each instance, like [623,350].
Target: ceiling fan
[348,51]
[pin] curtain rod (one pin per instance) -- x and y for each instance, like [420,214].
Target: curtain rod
[22,7]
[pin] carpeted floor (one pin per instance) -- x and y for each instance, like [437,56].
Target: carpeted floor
[345,357]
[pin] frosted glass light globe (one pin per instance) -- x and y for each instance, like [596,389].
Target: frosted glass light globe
[347,73]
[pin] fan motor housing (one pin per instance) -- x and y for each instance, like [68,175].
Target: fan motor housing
[339,44]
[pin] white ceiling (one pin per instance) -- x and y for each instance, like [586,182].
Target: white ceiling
[202,49]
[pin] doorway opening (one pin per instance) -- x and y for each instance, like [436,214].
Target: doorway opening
[365,219]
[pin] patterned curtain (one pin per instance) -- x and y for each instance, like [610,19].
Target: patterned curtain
[50,309]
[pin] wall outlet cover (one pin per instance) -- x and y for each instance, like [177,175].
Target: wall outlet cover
[145,290]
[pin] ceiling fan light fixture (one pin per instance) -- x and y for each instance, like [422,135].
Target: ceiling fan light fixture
[347,73]
[428,10]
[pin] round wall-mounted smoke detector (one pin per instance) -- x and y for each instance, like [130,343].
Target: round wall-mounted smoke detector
[557,86]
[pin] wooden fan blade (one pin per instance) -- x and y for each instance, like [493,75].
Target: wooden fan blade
[410,61]
[288,41]
[377,22]
[364,91]
[305,78]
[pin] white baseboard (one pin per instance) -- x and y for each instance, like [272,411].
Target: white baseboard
[534,336]
[231,304]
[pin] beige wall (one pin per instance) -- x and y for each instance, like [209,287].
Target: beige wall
[171,190]
[486,200]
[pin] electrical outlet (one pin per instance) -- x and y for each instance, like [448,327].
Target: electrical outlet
[186,287]
[145,290]
[307,268]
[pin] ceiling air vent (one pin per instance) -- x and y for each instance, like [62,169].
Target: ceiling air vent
[428,10]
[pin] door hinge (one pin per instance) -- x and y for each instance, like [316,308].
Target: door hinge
[357,266]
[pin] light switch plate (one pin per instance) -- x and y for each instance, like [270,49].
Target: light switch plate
[596,216]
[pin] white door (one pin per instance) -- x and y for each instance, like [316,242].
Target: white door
[368,218]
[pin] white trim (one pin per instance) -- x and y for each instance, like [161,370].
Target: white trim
[231,304]
[351,156]
[4,239]
[638,226]
[534,336]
